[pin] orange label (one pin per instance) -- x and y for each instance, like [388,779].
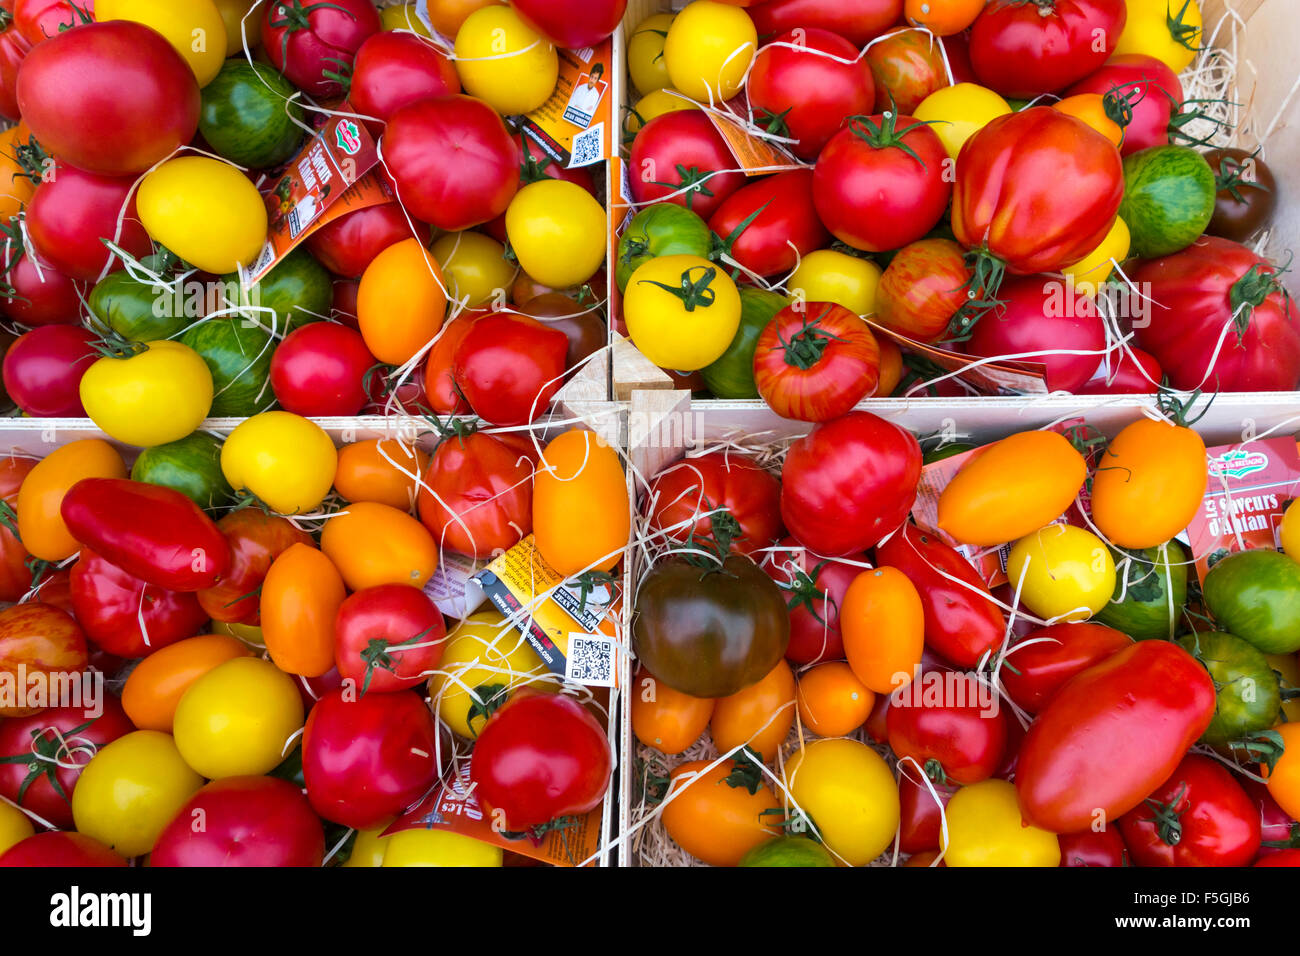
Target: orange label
[756,156]
[575,126]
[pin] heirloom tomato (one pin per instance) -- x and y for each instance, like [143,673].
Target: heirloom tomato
[571,24]
[1028,49]
[300,598]
[943,17]
[685,498]
[666,719]
[848,794]
[283,459]
[815,362]
[758,717]
[716,817]
[440,848]
[388,638]
[255,539]
[681,157]
[373,544]
[832,701]
[126,616]
[38,20]
[858,21]
[645,53]
[155,393]
[1255,594]
[393,69]
[958,112]
[72,212]
[815,589]
[769,225]
[37,639]
[1043,661]
[509,367]
[57,848]
[385,470]
[41,295]
[883,622]
[248,116]
[1146,92]
[908,65]
[682,312]
[923,288]
[40,522]
[206,211]
[504,62]
[477,495]
[986,828]
[581,512]
[156,685]
[312,42]
[828,275]
[955,736]
[557,231]
[1167,29]
[318,370]
[709,49]
[194,28]
[474,267]
[401,302]
[43,369]
[921,805]
[1249,691]
[348,244]
[1247,197]
[1063,572]
[1103,847]
[483,661]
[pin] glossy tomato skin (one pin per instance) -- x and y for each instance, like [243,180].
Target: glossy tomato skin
[1134,372]
[849,483]
[30,783]
[1038,671]
[255,539]
[1200,816]
[922,289]
[248,821]
[484,491]
[1247,197]
[57,848]
[509,367]
[1039,159]
[907,66]
[815,361]
[878,198]
[1153,91]
[1194,302]
[695,487]
[333,32]
[1095,848]
[920,820]
[858,21]
[143,105]
[679,150]
[811,93]
[41,294]
[43,370]
[155,533]
[110,605]
[785,226]
[954,738]
[815,589]
[569,23]
[38,638]
[38,20]
[367,758]
[1027,49]
[349,243]
[540,757]
[318,370]
[423,148]
[73,211]
[13,48]
[394,614]
[393,69]
[1112,735]
[960,624]
[443,397]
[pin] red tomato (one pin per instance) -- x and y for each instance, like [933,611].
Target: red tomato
[814,361]
[681,157]
[961,624]
[1277,831]
[71,213]
[142,105]
[848,483]
[684,496]
[509,367]
[572,24]
[43,369]
[907,67]
[773,223]
[923,287]
[387,396]
[349,243]
[920,819]
[1152,91]
[424,149]
[815,588]
[1219,292]
[541,757]
[1200,816]
[41,294]
[319,370]
[1280,858]
[1112,735]
[1094,848]
[393,69]
[124,615]
[1037,189]
[54,746]
[882,182]
[247,821]
[367,758]
[1033,673]
[39,639]
[858,21]
[439,385]
[477,495]
[13,49]
[370,632]
[39,20]
[1027,49]
[55,848]
[798,93]
[952,735]
[582,325]
[255,539]
[307,40]
[1131,371]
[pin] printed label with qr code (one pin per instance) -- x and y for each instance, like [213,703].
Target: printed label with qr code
[588,147]
[590,660]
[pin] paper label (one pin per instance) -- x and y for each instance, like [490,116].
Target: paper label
[575,127]
[452,586]
[754,155]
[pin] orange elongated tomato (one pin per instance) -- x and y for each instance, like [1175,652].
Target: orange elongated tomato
[1149,483]
[666,719]
[381,469]
[300,600]
[40,523]
[713,820]
[760,716]
[581,512]
[373,544]
[1012,488]
[882,621]
[157,683]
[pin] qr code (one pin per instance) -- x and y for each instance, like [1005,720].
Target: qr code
[590,660]
[588,147]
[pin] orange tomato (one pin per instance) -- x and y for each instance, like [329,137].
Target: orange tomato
[883,626]
[448,15]
[665,719]
[382,470]
[40,525]
[943,17]
[372,544]
[891,367]
[582,516]
[712,820]
[401,302]
[832,701]
[1284,780]
[1013,488]
[16,187]
[924,859]
[760,716]
[1149,483]
[300,599]
[155,686]
[1092,109]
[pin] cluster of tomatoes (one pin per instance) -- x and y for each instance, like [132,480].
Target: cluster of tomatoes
[827,614]
[136,207]
[957,182]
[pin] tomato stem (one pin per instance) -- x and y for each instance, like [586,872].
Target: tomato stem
[1232,175]
[1168,819]
[747,770]
[692,180]
[692,292]
[805,593]
[1183,33]
[885,134]
[1251,291]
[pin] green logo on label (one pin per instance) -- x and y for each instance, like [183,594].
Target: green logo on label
[1238,463]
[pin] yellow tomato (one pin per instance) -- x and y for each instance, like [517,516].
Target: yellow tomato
[645,53]
[238,718]
[234,13]
[1095,268]
[985,829]
[1169,30]
[373,544]
[474,267]
[1069,573]
[14,826]
[959,112]
[158,682]
[40,497]
[368,848]
[482,659]
[830,276]
[708,50]
[681,311]
[402,16]
[849,793]
[1012,488]
[439,848]
[557,230]
[204,210]
[504,62]
[131,789]
[153,397]
[581,510]
[284,459]
[656,104]
[401,302]
[194,28]
[250,635]
[1289,532]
